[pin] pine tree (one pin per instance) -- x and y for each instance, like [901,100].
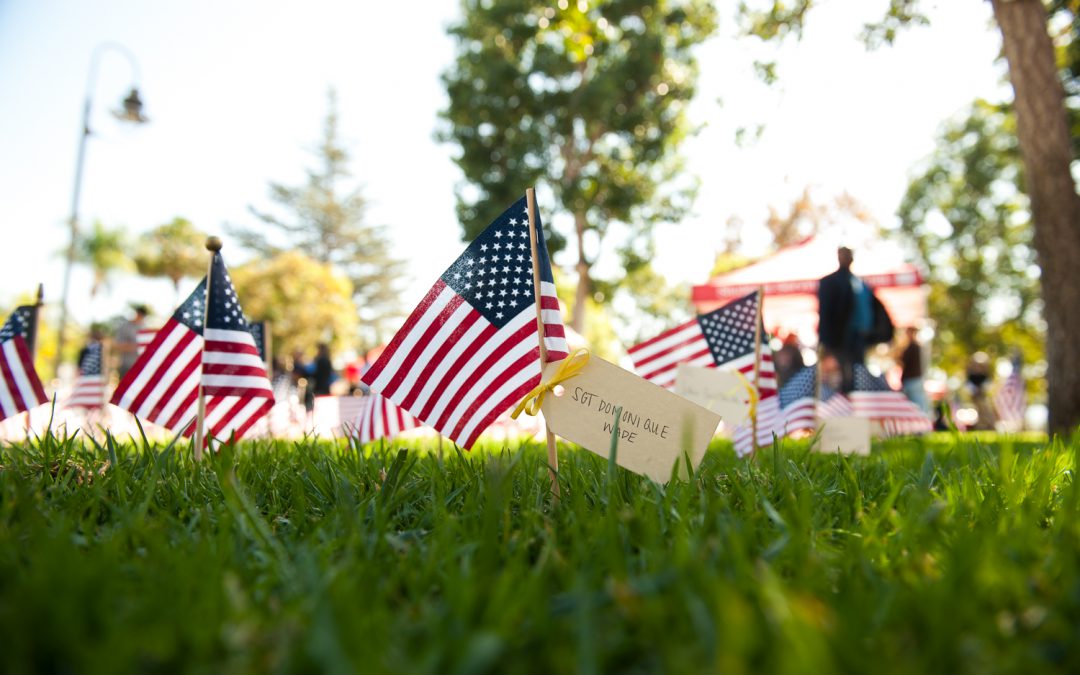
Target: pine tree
[325,219]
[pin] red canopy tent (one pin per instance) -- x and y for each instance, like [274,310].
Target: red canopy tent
[790,279]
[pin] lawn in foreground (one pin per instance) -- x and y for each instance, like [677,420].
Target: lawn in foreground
[945,555]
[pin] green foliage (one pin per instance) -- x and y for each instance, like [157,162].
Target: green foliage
[1065,27]
[776,20]
[950,555]
[305,301]
[105,251]
[641,302]
[175,250]
[970,223]
[326,221]
[587,100]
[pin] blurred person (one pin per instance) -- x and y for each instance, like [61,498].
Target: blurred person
[301,379]
[845,316]
[912,370]
[788,360]
[850,317]
[352,375]
[322,371]
[127,333]
[978,374]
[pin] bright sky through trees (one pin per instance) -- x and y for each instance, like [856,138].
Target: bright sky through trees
[236,94]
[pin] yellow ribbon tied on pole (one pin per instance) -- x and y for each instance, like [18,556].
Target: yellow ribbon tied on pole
[569,367]
[751,391]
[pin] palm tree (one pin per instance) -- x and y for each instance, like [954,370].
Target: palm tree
[104,251]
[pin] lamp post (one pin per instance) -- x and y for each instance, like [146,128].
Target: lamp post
[131,111]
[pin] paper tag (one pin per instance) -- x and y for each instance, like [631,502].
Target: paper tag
[655,429]
[849,435]
[721,391]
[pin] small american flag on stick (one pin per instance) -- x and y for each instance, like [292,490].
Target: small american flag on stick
[89,391]
[723,337]
[471,350]
[20,387]
[163,386]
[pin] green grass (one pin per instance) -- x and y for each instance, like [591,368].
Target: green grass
[951,554]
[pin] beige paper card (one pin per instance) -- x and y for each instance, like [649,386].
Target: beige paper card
[656,426]
[849,435]
[721,391]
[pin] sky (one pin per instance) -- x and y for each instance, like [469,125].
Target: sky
[236,95]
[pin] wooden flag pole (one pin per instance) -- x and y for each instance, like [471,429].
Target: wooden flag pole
[38,303]
[757,362]
[31,344]
[268,346]
[553,456]
[213,244]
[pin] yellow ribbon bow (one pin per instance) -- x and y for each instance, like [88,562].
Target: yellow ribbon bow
[752,391]
[569,367]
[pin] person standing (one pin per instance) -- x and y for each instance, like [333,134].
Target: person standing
[911,371]
[845,317]
[127,345]
[788,360]
[322,375]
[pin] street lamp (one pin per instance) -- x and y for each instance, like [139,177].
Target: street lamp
[131,111]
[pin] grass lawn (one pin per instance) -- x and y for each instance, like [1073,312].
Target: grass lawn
[957,554]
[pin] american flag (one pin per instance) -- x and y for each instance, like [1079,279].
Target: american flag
[1010,400]
[89,391]
[470,350]
[872,397]
[163,385]
[380,418]
[335,415]
[20,387]
[723,337]
[797,401]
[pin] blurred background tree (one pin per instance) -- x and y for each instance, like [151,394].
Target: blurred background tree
[966,215]
[326,222]
[584,100]
[1039,43]
[306,301]
[175,251]
[105,251]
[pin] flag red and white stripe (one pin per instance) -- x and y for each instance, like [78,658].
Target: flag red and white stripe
[163,386]
[20,386]
[380,418]
[470,350]
[89,389]
[723,338]
[455,371]
[657,360]
[143,338]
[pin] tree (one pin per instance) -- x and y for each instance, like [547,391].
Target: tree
[1046,149]
[104,251]
[175,251]
[970,222]
[587,100]
[305,301]
[326,221]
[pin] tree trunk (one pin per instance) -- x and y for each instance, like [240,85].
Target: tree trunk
[581,295]
[1045,146]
